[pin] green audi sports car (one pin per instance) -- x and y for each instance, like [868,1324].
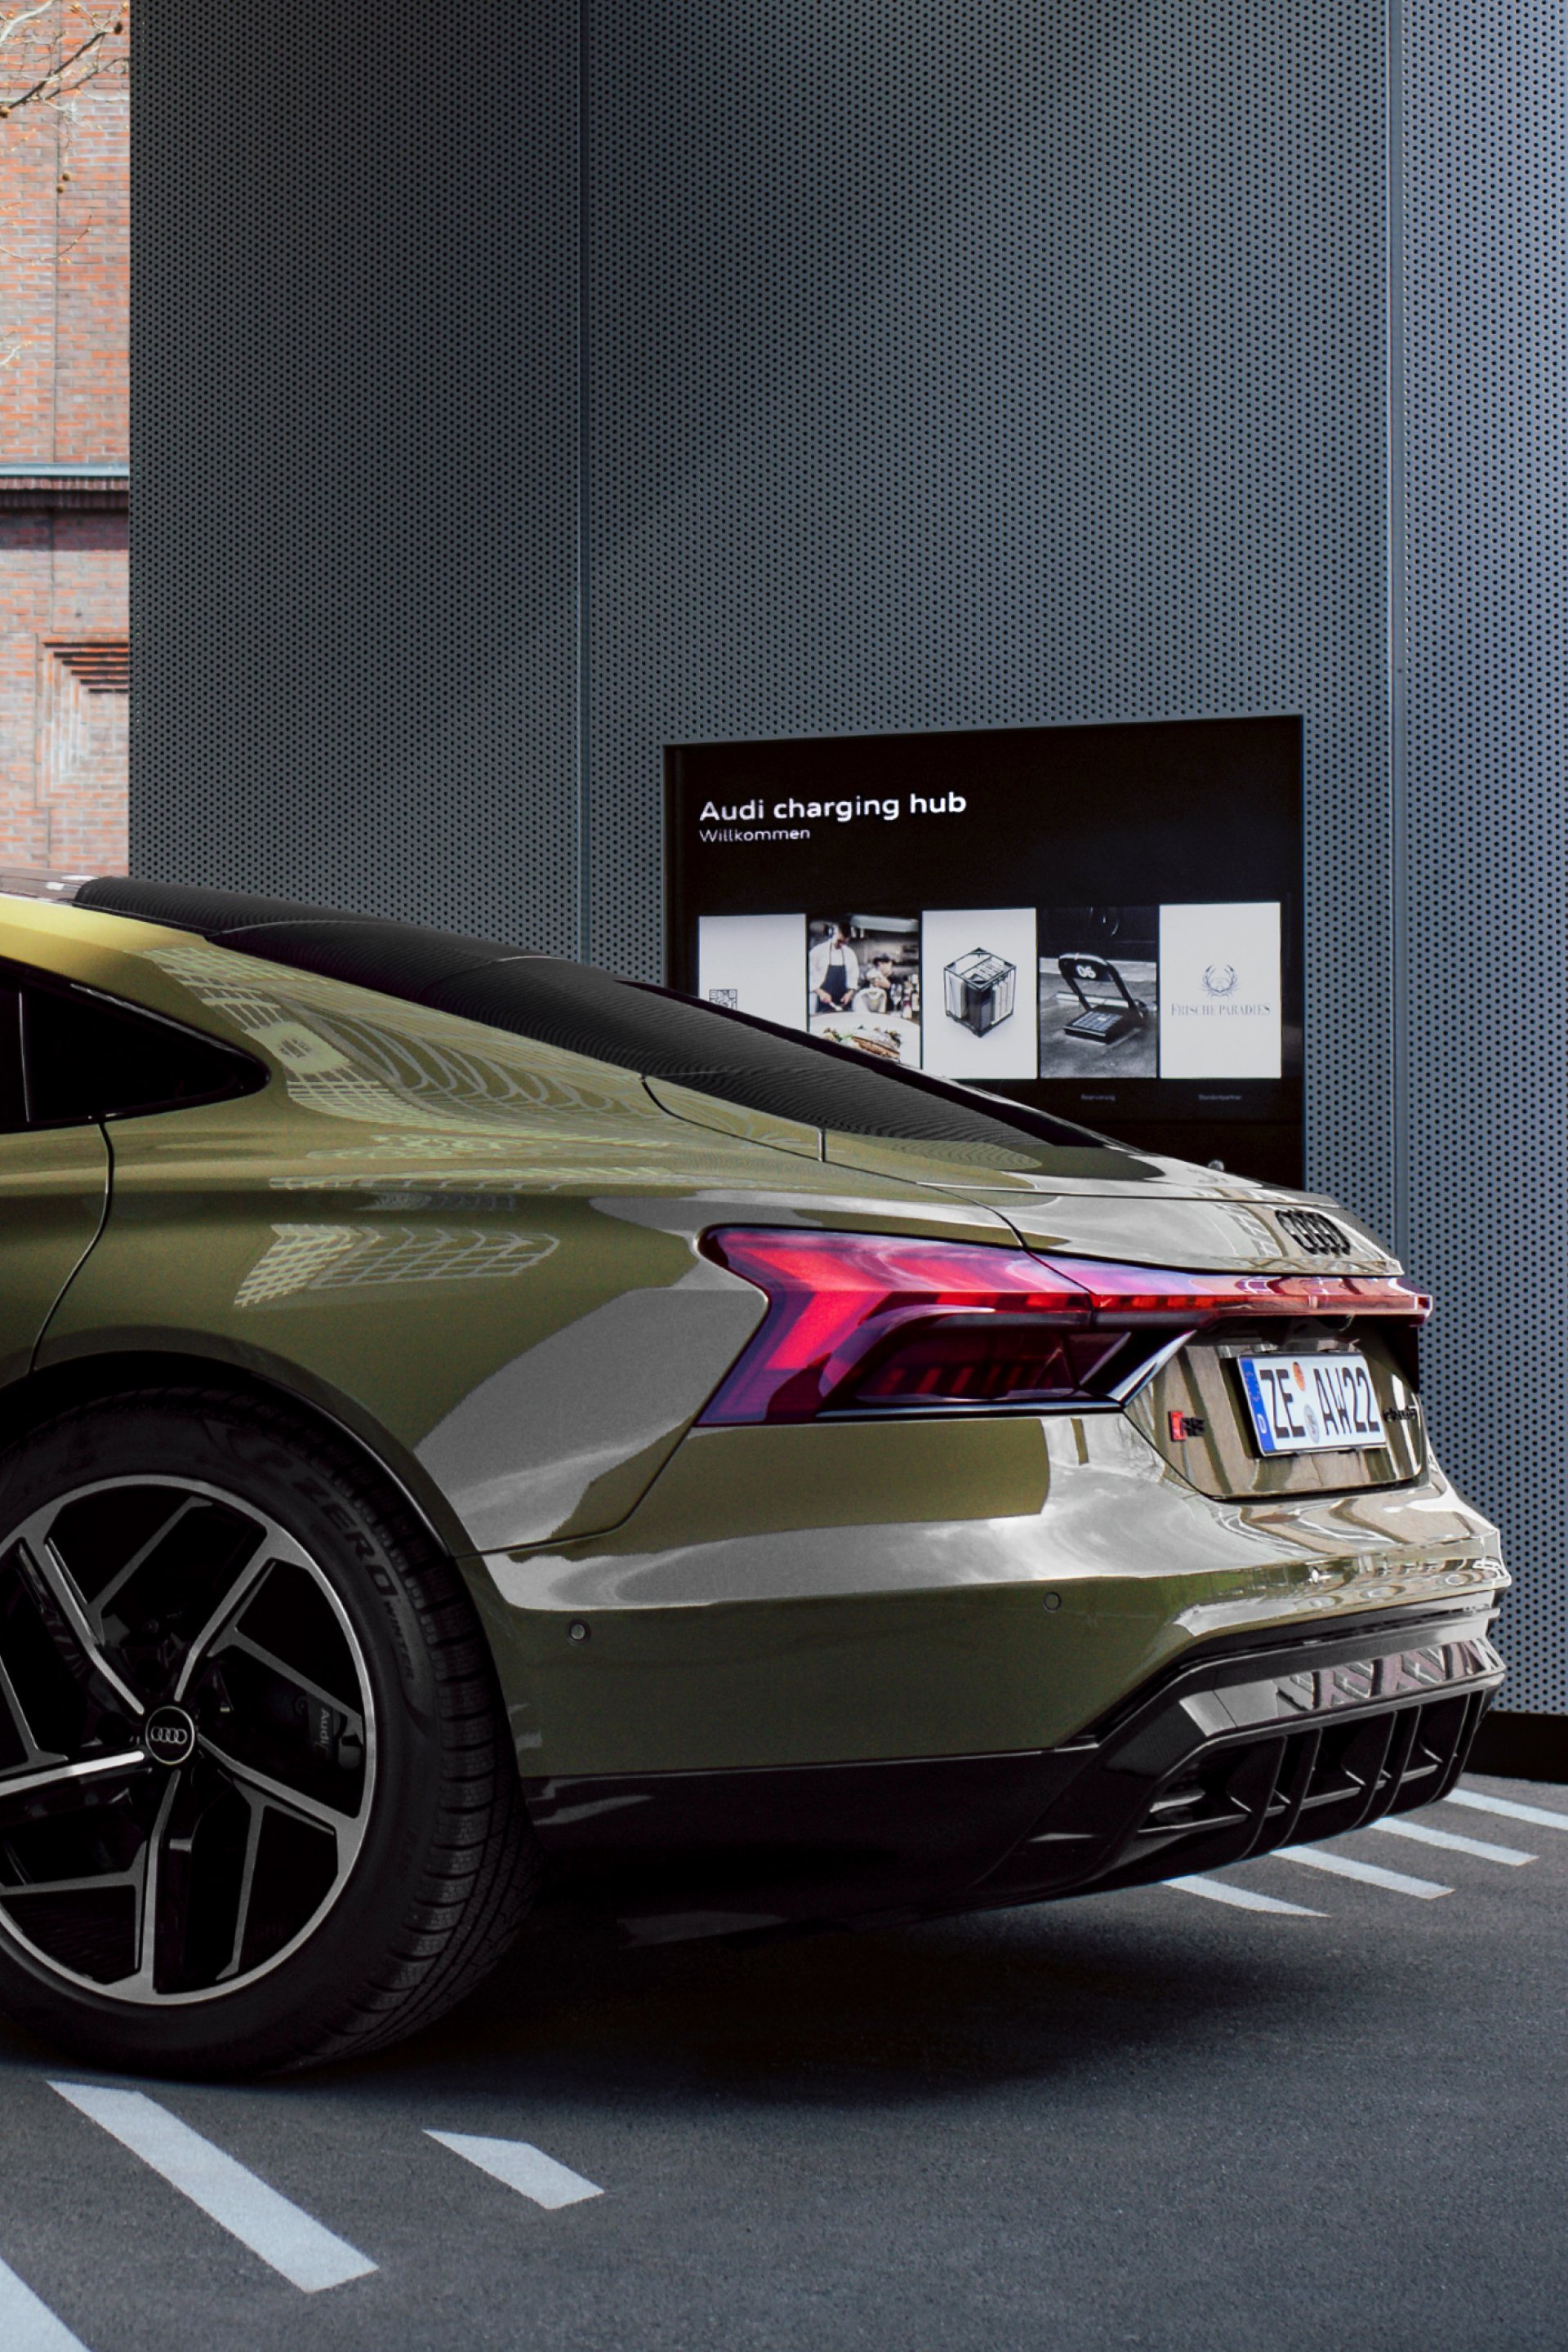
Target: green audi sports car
[468,1418]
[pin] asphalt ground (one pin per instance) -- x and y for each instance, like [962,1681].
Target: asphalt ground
[1151,2118]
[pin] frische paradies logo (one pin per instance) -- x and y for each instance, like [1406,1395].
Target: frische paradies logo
[1220,982]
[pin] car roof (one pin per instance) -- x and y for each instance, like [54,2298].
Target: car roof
[577,1007]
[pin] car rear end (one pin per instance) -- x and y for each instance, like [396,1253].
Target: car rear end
[880,1498]
[1002,1571]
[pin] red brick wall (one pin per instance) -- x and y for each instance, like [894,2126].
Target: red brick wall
[63,298]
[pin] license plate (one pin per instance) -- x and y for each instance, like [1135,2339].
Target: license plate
[1310,1404]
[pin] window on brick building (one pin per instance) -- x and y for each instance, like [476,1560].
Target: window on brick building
[84,724]
[65,190]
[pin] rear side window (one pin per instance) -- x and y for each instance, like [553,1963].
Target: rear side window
[78,1057]
[13,1093]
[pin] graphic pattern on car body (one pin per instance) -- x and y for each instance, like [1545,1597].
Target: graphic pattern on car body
[450,1295]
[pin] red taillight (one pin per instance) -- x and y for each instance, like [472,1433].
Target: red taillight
[843,1306]
[873,1323]
[1163,1292]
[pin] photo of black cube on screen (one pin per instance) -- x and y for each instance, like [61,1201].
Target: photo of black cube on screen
[979,989]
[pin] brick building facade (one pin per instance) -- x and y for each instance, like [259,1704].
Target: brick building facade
[64,448]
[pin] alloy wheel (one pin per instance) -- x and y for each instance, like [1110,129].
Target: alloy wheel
[188,1741]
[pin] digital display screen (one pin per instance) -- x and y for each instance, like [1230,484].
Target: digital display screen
[1103,921]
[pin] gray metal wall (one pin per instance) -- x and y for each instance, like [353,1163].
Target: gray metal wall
[354,425]
[964,366]
[533,387]
[1482,605]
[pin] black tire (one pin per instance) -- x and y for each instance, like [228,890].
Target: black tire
[345,1746]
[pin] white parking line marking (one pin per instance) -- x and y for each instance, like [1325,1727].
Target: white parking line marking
[527,2169]
[28,2326]
[1217,1890]
[1372,1874]
[284,2236]
[1537,1815]
[1480,1847]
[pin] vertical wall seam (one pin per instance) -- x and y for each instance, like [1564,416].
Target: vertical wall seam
[584,915]
[1398,623]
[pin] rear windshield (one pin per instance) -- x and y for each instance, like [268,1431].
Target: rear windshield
[783,1073]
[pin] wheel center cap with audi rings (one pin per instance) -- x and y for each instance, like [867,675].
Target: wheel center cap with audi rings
[171,1736]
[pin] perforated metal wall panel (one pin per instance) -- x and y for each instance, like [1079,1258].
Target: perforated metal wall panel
[521,389]
[1484,546]
[954,366]
[355,431]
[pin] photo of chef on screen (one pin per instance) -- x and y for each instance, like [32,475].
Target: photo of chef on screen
[863,984]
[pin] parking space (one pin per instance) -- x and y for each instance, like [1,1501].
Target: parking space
[1318,2098]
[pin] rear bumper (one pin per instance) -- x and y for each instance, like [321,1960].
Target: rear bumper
[837,1593]
[1246,1749]
[1249,1743]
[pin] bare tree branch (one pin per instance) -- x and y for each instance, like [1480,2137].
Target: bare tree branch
[54,252]
[14,24]
[55,72]
[58,74]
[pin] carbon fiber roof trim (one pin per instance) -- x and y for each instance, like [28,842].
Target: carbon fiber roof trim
[583,1010]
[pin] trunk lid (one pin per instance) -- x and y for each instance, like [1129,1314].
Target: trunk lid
[1103,1201]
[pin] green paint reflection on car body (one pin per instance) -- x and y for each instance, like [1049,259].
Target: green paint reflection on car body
[452,1239]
